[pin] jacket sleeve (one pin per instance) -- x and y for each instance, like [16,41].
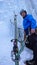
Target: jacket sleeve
[32,21]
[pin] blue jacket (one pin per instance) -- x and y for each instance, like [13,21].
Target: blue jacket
[29,22]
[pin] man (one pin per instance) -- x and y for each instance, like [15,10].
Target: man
[29,24]
[28,21]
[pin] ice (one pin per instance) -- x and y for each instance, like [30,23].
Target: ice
[7,9]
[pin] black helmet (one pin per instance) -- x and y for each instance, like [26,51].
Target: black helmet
[23,11]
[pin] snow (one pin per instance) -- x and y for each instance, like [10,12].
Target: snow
[7,9]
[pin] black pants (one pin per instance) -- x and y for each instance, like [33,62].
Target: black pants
[35,54]
[33,45]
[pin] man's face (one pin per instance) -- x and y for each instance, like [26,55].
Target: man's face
[23,14]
